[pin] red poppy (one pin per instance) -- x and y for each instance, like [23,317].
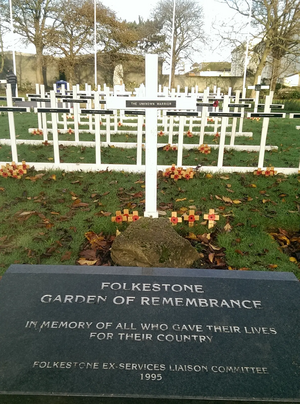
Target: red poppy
[191,218]
[204,148]
[216,104]
[211,217]
[135,218]
[119,219]
[258,172]
[15,175]
[268,172]
[174,219]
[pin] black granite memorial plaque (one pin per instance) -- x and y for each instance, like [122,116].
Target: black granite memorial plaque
[90,333]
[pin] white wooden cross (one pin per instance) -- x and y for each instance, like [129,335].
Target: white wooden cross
[266,115]
[257,89]
[10,109]
[151,103]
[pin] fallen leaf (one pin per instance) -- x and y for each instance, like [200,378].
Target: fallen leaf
[66,256]
[214,247]
[83,261]
[180,200]
[32,212]
[192,236]
[272,266]
[239,252]
[226,199]
[236,201]
[106,214]
[78,204]
[89,254]
[293,259]
[211,257]
[138,195]
[227,228]
[95,240]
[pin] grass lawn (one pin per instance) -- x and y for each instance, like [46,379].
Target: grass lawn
[46,215]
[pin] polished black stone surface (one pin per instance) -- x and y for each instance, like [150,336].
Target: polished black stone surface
[112,334]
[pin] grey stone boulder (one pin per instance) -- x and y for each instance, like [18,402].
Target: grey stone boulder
[152,242]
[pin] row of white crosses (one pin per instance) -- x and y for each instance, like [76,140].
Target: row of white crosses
[151,104]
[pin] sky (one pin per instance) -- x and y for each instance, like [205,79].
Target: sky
[214,12]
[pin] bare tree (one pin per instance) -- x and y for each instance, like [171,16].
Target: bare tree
[188,32]
[277,29]
[73,34]
[32,19]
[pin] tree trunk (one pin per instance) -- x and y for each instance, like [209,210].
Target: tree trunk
[39,65]
[275,74]
[259,69]
[173,74]
[173,66]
